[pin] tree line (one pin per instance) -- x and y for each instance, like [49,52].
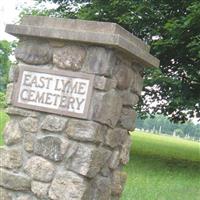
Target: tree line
[161,124]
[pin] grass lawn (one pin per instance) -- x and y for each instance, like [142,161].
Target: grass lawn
[3,119]
[162,168]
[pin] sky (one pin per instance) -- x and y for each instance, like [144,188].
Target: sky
[9,12]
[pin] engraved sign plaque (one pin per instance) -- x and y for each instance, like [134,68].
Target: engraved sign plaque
[60,92]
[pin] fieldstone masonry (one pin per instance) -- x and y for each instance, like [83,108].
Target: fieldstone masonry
[54,157]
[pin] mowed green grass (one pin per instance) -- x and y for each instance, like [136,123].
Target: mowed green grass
[162,168]
[3,119]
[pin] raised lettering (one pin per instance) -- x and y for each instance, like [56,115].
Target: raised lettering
[82,88]
[79,102]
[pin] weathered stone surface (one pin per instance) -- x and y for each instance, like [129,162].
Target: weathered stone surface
[40,189]
[4,194]
[10,158]
[29,124]
[105,171]
[85,32]
[127,118]
[71,150]
[14,181]
[137,84]
[26,197]
[51,147]
[118,181]
[124,76]
[125,152]
[12,133]
[67,186]
[54,123]
[84,131]
[128,98]
[88,160]
[114,159]
[39,169]
[29,141]
[9,93]
[107,108]
[100,189]
[35,52]
[21,112]
[115,137]
[105,84]
[13,73]
[69,57]
[99,61]
[57,43]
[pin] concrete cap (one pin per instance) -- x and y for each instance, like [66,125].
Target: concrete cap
[100,33]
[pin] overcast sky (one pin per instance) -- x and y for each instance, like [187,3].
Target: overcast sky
[9,11]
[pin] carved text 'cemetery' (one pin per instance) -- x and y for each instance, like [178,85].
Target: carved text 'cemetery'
[62,92]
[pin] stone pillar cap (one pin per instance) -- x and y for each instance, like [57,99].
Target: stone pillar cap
[92,32]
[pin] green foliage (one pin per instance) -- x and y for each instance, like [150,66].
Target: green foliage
[2,100]
[152,178]
[172,29]
[5,52]
[3,120]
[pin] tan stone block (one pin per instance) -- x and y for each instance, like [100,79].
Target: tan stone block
[68,185]
[54,123]
[13,181]
[127,119]
[10,158]
[82,130]
[69,57]
[5,194]
[13,73]
[114,159]
[40,189]
[124,76]
[33,51]
[88,160]
[105,84]
[20,112]
[129,98]
[28,142]
[12,133]
[9,93]
[40,169]
[30,124]
[107,107]
[100,61]
[115,137]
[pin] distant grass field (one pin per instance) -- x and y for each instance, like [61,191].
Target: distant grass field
[160,167]
[166,147]
[3,119]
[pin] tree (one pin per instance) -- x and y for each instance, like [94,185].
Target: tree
[5,52]
[172,29]
[2,100]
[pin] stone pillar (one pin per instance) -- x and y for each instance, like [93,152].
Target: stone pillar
[71,98]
